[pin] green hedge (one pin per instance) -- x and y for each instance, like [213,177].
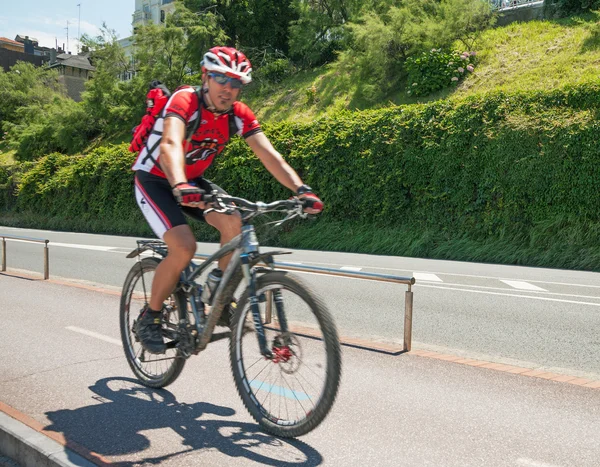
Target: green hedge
[511,176]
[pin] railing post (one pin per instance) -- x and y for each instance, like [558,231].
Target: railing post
[46,262]
[3,254]
[408,310]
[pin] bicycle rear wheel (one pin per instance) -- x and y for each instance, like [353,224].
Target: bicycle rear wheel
[290,394]
[154,370]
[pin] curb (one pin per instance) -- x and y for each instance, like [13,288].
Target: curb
[24,440]
[516,370]
[30,448]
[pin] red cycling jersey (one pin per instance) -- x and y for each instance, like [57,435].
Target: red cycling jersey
[213,133]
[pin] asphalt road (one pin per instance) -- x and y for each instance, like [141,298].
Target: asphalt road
[63,365]
[530,317]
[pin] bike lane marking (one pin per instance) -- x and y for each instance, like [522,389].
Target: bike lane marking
[279,390]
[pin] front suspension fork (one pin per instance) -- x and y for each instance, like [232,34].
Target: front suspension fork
[250,277]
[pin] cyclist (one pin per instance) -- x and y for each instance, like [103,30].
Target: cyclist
[168,173]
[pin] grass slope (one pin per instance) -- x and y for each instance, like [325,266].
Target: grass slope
[534,55]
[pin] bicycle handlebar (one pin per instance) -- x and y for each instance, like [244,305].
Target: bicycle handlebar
[225,201]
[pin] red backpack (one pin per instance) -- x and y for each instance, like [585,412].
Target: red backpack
[156,100]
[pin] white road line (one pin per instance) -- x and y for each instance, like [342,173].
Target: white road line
[534,463]
[421,276]
[470,275]
[73,245]
[591,297]
[425,276]
[522,285]
[529,297]
[94,334]
[451,287]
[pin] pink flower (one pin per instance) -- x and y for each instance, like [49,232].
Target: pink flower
[470,67]
[465,53]
[464,57]
[461,70]
[454,78]
[473,54]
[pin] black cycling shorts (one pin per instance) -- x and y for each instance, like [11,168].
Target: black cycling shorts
[155,198]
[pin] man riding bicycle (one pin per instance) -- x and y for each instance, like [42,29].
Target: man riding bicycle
[169,168]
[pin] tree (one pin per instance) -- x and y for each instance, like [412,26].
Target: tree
[380,43]
[318,33]
[563,8]
[462,20]
[172,53]
[251,24]
[25,85]
[105,97]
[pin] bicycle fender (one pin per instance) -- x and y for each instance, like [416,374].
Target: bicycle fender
[139,251]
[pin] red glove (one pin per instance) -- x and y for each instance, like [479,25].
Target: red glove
[187,194]
[312,203]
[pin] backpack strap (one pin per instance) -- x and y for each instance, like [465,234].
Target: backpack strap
[189,130]
[194,127]
[233,129]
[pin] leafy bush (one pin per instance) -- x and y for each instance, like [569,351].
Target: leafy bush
[563,8]
[521,169]
[63,126]
[26,85]
[435,70]
[275,70]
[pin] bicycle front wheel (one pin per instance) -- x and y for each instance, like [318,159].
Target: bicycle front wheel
[291,393]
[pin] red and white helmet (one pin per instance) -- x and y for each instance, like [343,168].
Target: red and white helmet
[229,61]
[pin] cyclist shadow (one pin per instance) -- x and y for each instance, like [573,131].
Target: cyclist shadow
[114,427]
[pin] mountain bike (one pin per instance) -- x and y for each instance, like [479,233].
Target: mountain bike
[284,348]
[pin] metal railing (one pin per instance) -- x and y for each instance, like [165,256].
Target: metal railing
[408,297]
[26,239]
[501,5]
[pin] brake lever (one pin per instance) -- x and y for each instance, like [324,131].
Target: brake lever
[224,210]
[290,216]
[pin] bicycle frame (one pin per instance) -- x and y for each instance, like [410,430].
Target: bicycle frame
[245,254]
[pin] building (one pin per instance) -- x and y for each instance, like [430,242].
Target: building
[146,12]
[8,44]
[151,11]
[74,71]
[32,46]
[13,51]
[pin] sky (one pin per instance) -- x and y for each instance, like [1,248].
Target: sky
[46,20]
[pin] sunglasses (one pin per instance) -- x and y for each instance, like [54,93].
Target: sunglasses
[223,80]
